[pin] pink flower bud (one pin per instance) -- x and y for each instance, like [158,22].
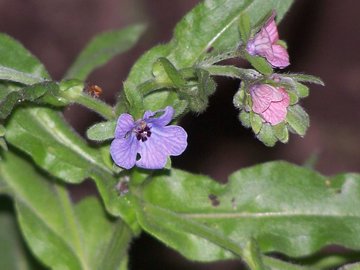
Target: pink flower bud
[264,44]
[270,102]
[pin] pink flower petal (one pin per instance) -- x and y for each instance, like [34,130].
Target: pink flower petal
[275,114]
[271,29]
[261,95]
[280,57]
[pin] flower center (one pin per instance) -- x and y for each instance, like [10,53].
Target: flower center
[142,131]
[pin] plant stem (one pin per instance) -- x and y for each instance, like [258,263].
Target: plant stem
[91,103]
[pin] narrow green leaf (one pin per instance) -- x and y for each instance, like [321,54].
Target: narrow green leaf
[259,63]
[101,131]
[63,235]
[298,119]
[285,208]
[244,27]
[165,72]
[305,78]
[103,48]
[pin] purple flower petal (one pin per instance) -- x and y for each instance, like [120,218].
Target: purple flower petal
[172,138]
[163,119]
[124,124]
[152,155]
[124,150]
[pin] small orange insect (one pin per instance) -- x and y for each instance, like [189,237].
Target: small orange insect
[94,90]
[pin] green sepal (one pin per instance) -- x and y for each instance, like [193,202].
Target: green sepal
[2,130]
[293,97]
[244,27]
[298,119]
[239,98]
[282,43]
[180,106]
[267,135]
[281,132]
[302,90]
[256,122]
[101,131]
[259,63]
[166,73]
[244,118]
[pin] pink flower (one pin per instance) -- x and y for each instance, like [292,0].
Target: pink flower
[270,102]
[264,44]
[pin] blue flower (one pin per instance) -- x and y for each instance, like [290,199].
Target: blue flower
[147,142]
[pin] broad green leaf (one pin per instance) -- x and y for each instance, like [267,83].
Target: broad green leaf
[13,255]
[28,93]
[298,119]
[211,24]
[13,75]
[14,56]
[62,234]
[285,208]
[45,136]
[101,131]
[103,48]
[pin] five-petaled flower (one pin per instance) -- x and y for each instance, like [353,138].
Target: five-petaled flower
[147,142]
[270,102]
[264,44]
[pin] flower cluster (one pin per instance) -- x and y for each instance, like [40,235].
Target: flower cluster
[147,142]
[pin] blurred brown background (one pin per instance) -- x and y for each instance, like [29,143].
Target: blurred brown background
[323,38]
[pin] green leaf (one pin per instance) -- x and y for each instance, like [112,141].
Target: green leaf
[9,74]
[211,24]
[29,93]
[259,63]
[101,131]
[15,57]
[13,254]
[244,27]
[254,257]
[103,48]
[305,78]
[285,208]
[45,136]
[298,119]
[165,72]
[61,234]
